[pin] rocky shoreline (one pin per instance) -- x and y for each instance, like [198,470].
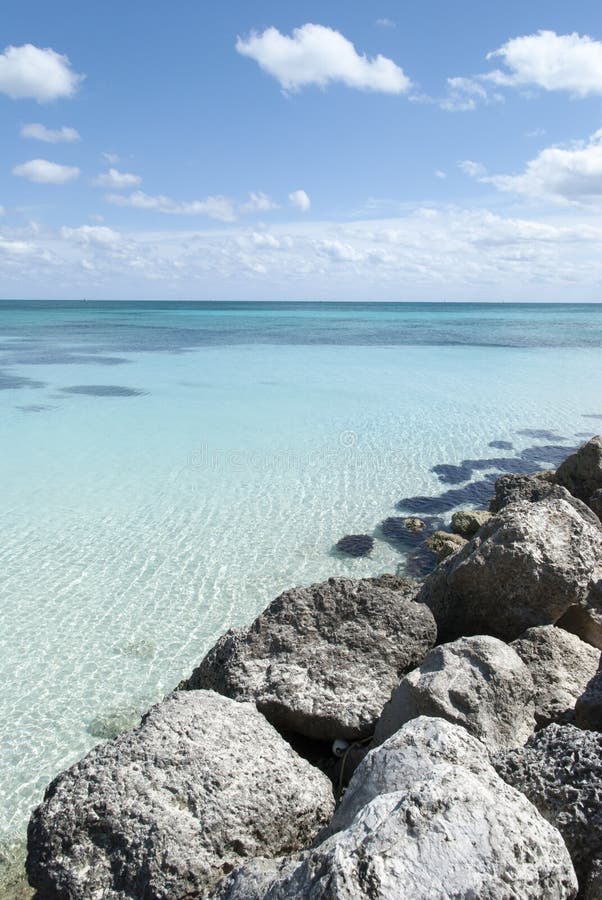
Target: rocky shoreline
[378,737]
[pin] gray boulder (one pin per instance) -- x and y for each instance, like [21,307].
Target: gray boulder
[513,488]
[525,567]
[466,522]
[322,661]
[588,710]
[425,816]
[410,755]
[561,666]
[595,503]
[167,809]
[581,472]
[477,682]
[593,888]
[560,771]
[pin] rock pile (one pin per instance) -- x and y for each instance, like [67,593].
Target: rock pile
[469,705]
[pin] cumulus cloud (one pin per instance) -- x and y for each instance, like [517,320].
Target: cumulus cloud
[36,73]
[117,180]
[42,171]
[439,173]
[554,62]
[566,174]
[39,132]
[545,60]
[300,200]
[214,207]
[318,55]
[385,23]
[258,202]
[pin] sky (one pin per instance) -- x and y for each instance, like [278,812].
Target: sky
[338,150]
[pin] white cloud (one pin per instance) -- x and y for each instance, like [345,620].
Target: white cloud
[439,173]
[258,202]
[117,180]
[91,234]
[300,200]
[385,23]
[572,174]
[214,207]
[420,254]
[111,158]
[554,62]
[36,73]
[42,171]
[39,132]
[319,55]
[474,169]
[546,60]
[465,94]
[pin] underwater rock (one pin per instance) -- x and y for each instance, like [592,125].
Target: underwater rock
[355,544]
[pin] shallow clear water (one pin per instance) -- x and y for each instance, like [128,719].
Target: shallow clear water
[167,469]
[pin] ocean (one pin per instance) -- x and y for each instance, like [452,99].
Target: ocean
[170,468]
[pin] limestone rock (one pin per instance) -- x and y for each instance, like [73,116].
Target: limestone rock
[170,807]
[561,666]
[560,771]
[525,567]
[444,544]
[581,472]
[595,503]
[588,711]
[593,888]
[512,488]
[467,522]
[409,755]
[322,661]
[477,682]
[425,816]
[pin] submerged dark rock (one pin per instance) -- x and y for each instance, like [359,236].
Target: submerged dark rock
[406,533]
[9,382]
[322,661]
[543,434]
[476,493]
[355,544]
[103,390]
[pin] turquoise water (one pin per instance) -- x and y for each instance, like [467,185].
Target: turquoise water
[167,469]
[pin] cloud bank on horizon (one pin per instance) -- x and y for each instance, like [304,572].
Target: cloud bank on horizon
[414,183]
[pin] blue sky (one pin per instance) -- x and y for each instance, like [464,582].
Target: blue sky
[332,150]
